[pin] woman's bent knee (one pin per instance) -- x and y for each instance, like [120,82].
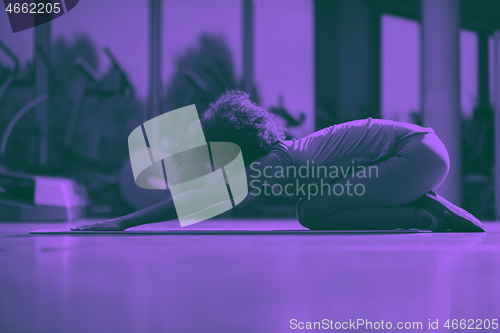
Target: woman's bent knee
[303,219]
[426,160]
[310,213]
[437,157]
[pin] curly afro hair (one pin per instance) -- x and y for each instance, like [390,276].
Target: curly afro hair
[233,117]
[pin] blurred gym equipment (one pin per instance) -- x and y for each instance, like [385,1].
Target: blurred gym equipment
[88,152]
[40,198]
[26,196]
[10,74]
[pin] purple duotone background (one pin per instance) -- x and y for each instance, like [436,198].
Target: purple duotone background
[313,63]
[294,69]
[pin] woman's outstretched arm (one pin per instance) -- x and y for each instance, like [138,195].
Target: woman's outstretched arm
[165,210]
[162,211]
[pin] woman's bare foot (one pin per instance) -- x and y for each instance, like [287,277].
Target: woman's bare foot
[117,224]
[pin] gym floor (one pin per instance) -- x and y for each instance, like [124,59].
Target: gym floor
[241,283]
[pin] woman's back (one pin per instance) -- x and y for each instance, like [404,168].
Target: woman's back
[338,148]
[361,141]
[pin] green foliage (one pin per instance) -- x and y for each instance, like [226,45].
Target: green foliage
[203,72]
[65,52]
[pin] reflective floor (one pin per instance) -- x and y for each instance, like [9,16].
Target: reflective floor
[244,283]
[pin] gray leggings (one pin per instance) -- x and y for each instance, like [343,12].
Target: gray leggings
[419,164]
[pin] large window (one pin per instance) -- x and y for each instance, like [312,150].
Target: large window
[401,69]
[120,26]
[284,57]
[184,21]
[468,72]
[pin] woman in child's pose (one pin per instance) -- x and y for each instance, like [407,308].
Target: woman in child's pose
[368,174]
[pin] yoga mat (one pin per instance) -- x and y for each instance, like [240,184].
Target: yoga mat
[221,232]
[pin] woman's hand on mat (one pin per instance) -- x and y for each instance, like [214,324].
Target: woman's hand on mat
[117,224]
